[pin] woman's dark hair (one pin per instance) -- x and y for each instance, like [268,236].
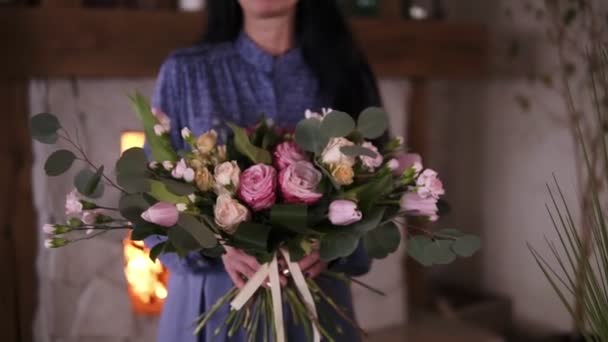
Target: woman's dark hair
[327,46]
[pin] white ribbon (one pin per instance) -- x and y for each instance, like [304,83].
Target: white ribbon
[271,271]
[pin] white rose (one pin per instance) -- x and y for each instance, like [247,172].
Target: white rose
[227,173]
[229,213]
[368,162]
[333,155]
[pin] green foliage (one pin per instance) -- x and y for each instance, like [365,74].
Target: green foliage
[466,246]
[44,127]
[131,206]
[159,145]
[201,233]
[252,236]
[372,122]
[382,241]
[337,124]
[89,184]
[59,162]
[310,137]
[182,240]
[156,250]
[178,188]
[355,151]
[290,216]
[132,171]
[159,191]
[417,249]
[443,249]
[338,244]
[369,193]
[245,147]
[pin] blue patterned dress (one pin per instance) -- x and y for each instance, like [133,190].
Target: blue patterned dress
[203,87]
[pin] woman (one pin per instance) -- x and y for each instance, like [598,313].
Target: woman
[279,58]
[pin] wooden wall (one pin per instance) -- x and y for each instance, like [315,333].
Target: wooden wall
[18,233]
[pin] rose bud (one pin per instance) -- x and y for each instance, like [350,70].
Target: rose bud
[429,185]
[343,174]
[162,213]
[370,163]
[206,142]
[344,213]
[227,173]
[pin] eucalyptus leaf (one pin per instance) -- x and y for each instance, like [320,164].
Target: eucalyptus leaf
[160,146]
[372,122]
[309,136]
[466,246]
[441,252]
[44,127]
[370,221]
[337,124]
[182,239]
[89,184]
[144,229]
[245,147]
[157,250]
[369,193]
[199,231]
[178,188]
[416,249]
[338,244]
[59,162]
[355,151]
[132,161]
[133,183]
[131,206]
[450,232]
[382,241]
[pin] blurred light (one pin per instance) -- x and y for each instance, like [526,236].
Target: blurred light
[130,139]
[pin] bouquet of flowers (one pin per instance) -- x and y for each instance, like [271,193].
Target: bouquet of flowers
[331,184]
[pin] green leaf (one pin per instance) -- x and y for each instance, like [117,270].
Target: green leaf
[296,252]
[382,241]
[157,250]
[337,124]
[337,245]
[250,235]
[132,170]
[309,136]
[214,252]
[291,216]
[370,221]
[159,191]
[177,187]
[441,251]
[416,249]
[355,151]
[369,193]
[467,245]
[89,184]
[59,162]
[183,241]
[131,206]
[245,147]
[372,122]
[143,229]
[199,231]
[450,232]
[159,145]
[44,128]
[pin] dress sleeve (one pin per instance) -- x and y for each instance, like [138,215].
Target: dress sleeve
[169,96]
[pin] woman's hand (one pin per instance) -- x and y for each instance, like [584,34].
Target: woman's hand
[312,265]
[239,265]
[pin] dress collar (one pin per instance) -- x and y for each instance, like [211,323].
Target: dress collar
[261,59]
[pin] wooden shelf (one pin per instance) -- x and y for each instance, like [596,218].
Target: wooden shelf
[128,43]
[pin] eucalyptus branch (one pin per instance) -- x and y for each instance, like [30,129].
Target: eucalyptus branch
[86,159]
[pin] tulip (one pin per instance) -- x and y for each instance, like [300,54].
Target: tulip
[344,213]
[416,205]
[162,213]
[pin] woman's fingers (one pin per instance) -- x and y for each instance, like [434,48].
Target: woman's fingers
[316,269]
[236,278]
[309,261]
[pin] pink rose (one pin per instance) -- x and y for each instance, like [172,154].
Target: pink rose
[370,163]
[287,153]
[344,213]
[407,160]
[416,205]
[257,186]
[429,185]
[162,213]
[298,183]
